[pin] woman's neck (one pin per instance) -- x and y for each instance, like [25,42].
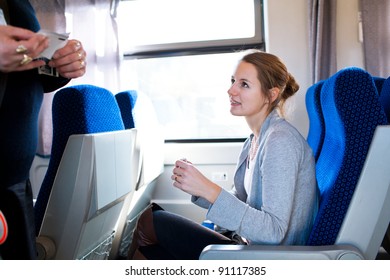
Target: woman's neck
[255,124]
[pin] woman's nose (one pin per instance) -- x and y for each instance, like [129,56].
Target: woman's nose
[232,90]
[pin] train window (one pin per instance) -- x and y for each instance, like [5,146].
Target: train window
[189,94]
[181,54]
[147,27]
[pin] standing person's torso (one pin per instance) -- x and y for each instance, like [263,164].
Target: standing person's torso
[20,107]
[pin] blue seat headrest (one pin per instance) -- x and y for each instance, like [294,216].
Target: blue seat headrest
[352,111]
[126,101]
[316,133]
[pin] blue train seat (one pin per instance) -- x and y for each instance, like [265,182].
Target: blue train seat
[88,177]
[315,137]
[137,111]
[384,97]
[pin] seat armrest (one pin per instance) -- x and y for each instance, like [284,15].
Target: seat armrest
[271,252]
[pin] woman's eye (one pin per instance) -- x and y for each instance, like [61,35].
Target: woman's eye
[232,80]
[244,85]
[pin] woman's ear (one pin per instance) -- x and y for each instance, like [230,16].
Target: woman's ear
[274,94]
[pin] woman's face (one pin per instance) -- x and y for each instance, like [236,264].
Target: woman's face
[245,93]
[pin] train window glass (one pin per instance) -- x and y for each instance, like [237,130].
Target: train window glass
[151,26]
[181,54]
[189,94]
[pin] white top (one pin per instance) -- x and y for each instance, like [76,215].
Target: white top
[249,172]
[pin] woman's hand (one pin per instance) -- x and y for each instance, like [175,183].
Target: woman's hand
[18,48]
[70,60]
[190,180]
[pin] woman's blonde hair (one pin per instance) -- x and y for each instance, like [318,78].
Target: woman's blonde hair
[272,73]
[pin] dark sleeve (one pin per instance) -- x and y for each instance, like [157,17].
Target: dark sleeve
[50,83]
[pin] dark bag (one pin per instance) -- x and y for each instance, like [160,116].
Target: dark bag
[144,234]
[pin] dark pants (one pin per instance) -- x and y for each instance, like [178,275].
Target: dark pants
[16,203]
[180,238]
